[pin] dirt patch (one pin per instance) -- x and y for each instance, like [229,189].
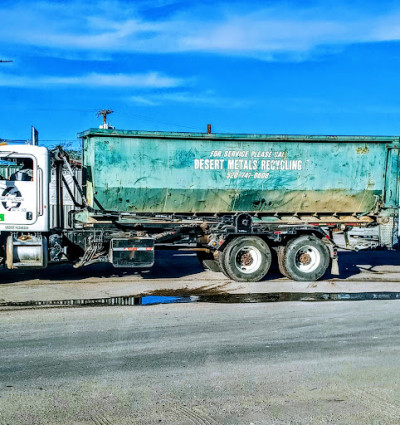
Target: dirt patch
[186,291]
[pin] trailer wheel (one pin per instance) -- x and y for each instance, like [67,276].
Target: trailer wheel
[246,259]
[221,262]
[208,261]
[305,259]
[280,252]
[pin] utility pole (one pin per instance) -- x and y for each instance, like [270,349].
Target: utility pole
[104,113]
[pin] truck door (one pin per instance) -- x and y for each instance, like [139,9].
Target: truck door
[19,188]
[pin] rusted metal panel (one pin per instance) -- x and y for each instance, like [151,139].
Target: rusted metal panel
[216,173]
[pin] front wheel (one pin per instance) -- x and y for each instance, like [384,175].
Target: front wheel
[246,259]
[305,259]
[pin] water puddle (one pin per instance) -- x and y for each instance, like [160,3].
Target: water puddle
[214,298]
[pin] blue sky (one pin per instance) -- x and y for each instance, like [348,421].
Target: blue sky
[294,66]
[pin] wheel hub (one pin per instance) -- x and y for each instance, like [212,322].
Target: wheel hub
[305,259]
[246,259]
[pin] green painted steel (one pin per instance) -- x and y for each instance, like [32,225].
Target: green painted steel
[141,171]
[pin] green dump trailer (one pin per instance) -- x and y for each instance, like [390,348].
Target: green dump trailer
[156,172]
[240,200]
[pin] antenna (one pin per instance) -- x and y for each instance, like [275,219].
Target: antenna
[104,113]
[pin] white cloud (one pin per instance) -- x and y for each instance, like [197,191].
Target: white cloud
[207,98]
[148,80]
[234,28]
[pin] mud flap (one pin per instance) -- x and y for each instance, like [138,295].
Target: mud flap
[335,266]
[334,257]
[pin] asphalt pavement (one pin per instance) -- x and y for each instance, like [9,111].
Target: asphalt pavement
[208,362]
[275,363]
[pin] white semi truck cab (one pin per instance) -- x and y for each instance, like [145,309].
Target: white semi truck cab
[24,204]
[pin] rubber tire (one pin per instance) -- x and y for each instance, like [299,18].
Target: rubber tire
[233,248]
[221,262]
[289,268]
[280,252]
[208,261]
